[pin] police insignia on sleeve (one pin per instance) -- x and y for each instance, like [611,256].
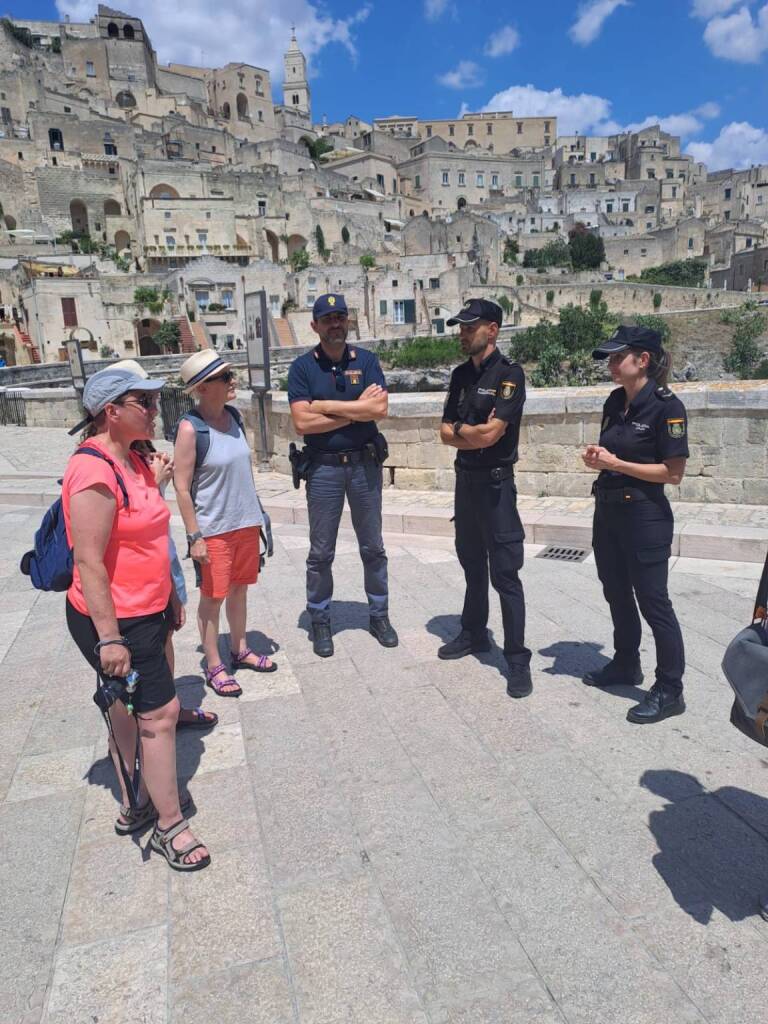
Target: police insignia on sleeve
[507,389]
[676,428]
[355,376]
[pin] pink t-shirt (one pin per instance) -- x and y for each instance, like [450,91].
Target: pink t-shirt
[136,556]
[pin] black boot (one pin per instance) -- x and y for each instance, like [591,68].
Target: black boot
[463,644]
[660,703]
[518,680]
[322,642]
[615,673]
[382,629]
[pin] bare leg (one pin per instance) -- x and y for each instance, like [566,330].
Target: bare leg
[124,728]
[157,730]
[237,613]
[208,624]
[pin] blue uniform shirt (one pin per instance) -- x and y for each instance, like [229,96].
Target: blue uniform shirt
[313,376]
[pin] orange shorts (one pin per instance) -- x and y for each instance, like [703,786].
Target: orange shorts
[232,558]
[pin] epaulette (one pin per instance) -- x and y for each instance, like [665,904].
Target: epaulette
[663,393]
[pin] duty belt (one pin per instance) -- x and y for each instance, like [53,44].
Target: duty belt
[491,474]
[342,458]
[618,495]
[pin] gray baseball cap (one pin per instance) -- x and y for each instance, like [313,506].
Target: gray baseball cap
[107,386]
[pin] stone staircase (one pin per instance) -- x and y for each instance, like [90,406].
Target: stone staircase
[24,340]
[190,342]
[284,330]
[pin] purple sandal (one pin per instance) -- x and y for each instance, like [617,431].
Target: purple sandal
[260,666]
[218,687]
[201,719]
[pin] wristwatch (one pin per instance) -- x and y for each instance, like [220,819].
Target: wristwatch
[457,428]
[192,537]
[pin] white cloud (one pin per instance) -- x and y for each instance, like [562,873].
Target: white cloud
[708,110]
[254,31]
[686,124]
[590,19]
[466,75]
[739,36]
[581,113]
[707,9]
[503,42]
[435,9]
[738,145]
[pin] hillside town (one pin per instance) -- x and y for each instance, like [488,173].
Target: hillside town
[143,201]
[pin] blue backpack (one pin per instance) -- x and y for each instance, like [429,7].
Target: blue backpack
[50,563]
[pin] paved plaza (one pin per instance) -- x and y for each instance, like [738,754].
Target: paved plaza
[394,840]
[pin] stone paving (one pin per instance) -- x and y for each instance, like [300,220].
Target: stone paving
[394,841]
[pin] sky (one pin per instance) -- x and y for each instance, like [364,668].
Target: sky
[699,67]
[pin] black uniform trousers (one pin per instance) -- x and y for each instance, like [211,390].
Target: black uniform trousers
[632,542]
[489,535]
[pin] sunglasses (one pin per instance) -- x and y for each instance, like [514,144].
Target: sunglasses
[227,377]
[146,402]
[341,383]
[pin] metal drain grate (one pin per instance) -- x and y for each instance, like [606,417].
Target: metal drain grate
[557,553]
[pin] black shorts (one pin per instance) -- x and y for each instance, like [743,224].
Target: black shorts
[146,635]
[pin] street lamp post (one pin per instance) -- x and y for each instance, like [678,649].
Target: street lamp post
[75,359]
[256,331]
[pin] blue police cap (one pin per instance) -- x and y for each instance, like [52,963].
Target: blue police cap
[325,304]
[629,336]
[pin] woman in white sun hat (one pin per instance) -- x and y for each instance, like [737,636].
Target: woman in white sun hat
[217,500]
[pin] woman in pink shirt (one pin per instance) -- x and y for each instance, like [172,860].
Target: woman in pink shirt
[121,605]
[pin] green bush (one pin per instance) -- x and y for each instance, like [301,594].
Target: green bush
[655,323]
[150,298]
[550,296]
[519,280]
[656,300]
[505,302]
[594,297]
[423,352]
[345,235]
[299,260]
[745,356]
[586,251]
[553,254]
[367,261]
[320,242]
[683,273]
[511,251]
[563,351]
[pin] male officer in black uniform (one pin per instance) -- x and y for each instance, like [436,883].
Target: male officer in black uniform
[643,446]
[337,395]
[481,419]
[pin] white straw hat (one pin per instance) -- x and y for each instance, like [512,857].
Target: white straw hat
[201,365]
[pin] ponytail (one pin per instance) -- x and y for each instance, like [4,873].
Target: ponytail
[659,366]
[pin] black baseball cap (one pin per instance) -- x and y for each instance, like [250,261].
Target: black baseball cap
[477,309]
[629,336]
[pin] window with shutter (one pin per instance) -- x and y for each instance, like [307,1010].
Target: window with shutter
[410,311]
[69,312]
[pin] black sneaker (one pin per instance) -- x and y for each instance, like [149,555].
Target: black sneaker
[615,673]
[382,629]
[519,682]
[322,642]
[658,705]
[465,643]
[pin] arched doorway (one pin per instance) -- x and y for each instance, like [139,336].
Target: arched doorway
[7,349]
[122,240]
[296,242]
[242,106]
[128,32]
[55,139]
[125,99]
[111,208]
[226,111]
[79,217]
[163,192]
[145,333]
[10,222]
[274,245]
[112,30]
[462,202]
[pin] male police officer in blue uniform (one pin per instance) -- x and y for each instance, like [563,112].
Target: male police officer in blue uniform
[337,395]
[481,419]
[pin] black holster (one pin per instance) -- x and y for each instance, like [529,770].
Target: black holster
[379,449]
[300,460]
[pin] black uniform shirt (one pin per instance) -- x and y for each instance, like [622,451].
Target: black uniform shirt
[314,376]
[497,384]
[653,429]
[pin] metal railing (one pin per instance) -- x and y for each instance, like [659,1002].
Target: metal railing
[13,409]
[174,402]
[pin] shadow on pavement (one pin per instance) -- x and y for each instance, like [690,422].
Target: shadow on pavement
[446,627]
[717,838]
[345,615]
[575,658]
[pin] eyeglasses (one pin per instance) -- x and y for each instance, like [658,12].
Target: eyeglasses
[147,402]
[341,383]
[227,377]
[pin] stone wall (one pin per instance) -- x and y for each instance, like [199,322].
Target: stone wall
[728,430]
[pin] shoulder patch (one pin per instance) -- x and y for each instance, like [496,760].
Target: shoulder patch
[353,353]
[676,427]
[506,389]
[664,393]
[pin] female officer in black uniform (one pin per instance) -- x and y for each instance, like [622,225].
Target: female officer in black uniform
[643,446]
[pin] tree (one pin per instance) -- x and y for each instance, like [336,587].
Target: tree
[563,351]
[168,336]
[345,235]
[367,261]
[316,147]
[511,251]
[151,299]
[682,273]
[320,242]
[745,353]
[299,260]
[587,251]
[553,254]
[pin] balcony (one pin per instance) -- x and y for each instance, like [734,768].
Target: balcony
[187,251]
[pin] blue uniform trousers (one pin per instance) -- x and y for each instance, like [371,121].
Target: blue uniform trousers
[632,544]
[327,486]
[489,536]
